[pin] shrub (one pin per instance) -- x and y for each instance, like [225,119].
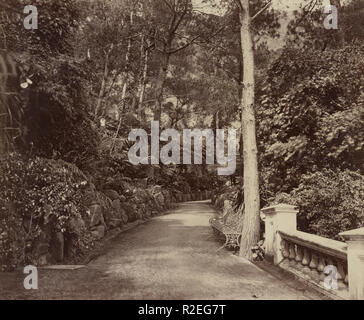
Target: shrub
[330,202]
[46,197]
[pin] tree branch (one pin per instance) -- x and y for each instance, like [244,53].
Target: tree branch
[229,74]
[261,10]
[175,27]
[184,46]
[194,40]
[168,5]
[239,4]
[307,9]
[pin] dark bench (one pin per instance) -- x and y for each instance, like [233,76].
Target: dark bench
[229,227]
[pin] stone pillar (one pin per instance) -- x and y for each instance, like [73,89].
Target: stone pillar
[355,241]
[280,217]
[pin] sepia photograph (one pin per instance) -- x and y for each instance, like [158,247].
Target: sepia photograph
[182,155]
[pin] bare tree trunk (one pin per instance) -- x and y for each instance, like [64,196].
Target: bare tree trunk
[141,69]
[133,103]
[9,79]
[126,76]
[125,86]
[251,223]
[123,96]
[162,75]
[126,73]
[103,82]
[177,17]
[142,84]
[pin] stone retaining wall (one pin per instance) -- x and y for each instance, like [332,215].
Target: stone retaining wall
[197,196]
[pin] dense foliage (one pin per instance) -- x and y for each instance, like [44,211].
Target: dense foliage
[311,114]
[47,197]
[329,201]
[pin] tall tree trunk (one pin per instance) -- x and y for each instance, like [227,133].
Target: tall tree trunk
[127,61]
[103,81]
[142,84]
[9,82]
[126,76]
[179,11]
[251,223]
[125,86]
[162,75]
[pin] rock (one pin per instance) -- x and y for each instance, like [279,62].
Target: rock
[112,215]
[160,200]
[114,223]
[145,194]
[112,194]
[98,232]
[96,215]
[148,213]
[178,197]
[130,211]
[124,217]
[139,215]
[141,209]
[116,204]
[167,198]
[122,198]
[132,216]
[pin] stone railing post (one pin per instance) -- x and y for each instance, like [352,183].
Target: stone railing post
[280,217]
[355,241]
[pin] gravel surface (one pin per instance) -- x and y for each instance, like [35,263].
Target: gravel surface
[170,257]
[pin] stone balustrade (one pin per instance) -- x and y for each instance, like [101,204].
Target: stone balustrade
[334,266]
[314,258]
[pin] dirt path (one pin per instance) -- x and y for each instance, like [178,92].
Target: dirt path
[169,257]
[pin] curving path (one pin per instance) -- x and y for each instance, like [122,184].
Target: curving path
[169,257]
